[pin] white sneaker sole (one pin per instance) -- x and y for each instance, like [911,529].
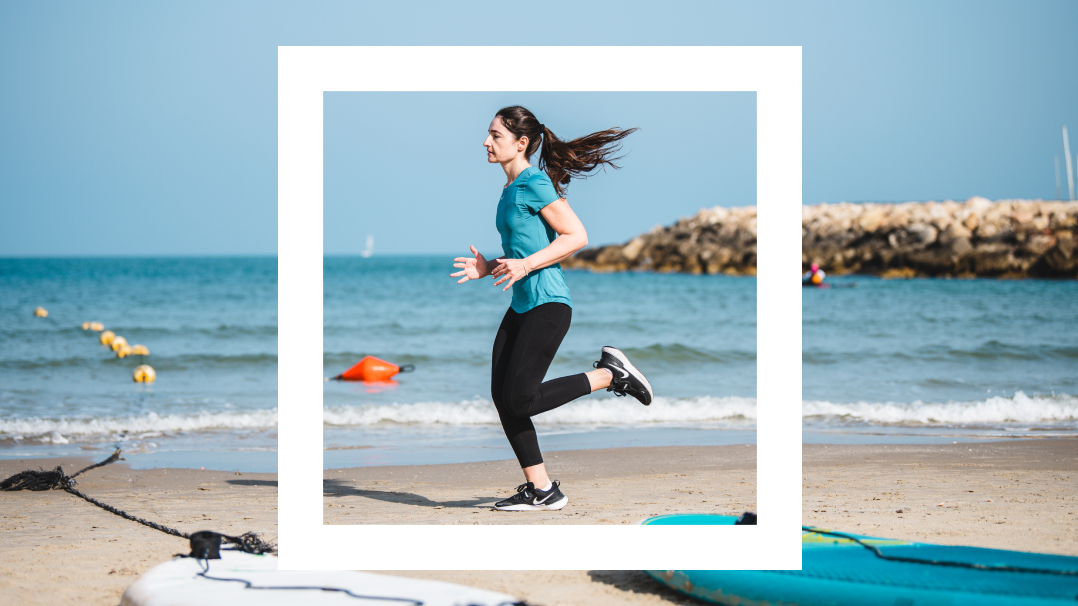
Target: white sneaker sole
[632,369]
[556,505]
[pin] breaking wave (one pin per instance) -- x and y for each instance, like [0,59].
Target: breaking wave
[1061,409]
[605,411]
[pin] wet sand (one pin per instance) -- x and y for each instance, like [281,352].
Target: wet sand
[660,480]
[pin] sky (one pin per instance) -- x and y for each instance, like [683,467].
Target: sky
[133,128]
[693,150]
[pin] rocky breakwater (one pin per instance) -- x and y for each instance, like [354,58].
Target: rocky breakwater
[1004,239]
[717,240]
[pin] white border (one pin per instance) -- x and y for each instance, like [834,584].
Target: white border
[304,73]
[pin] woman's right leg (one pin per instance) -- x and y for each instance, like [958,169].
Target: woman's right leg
[523,350]
[519,430]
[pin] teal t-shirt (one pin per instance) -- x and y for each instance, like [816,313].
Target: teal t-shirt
[524,232]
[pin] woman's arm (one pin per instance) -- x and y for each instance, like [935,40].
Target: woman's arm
[571,238]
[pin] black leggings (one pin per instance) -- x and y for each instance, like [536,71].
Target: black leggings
[523,349]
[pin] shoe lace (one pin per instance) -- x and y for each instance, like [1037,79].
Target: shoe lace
[523,487]
[620,388]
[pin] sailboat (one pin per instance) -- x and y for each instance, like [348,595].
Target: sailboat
[370,247]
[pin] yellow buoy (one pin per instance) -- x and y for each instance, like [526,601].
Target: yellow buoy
[123,351]
[144,373]
[41,312]
[107,337]
[86,326]
[139,350]
[97,326]
[117,341]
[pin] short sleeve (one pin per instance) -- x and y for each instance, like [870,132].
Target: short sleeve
[538,192]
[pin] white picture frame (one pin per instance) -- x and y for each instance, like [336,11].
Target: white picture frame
[304,74]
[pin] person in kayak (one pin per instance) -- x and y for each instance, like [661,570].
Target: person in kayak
[538,230]
[814,276]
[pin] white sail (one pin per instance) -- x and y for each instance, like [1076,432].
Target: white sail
[370,247]
[1067,161]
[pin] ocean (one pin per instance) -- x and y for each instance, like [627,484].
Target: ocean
[885,360]
[211,328]
[936,359]
[693,336]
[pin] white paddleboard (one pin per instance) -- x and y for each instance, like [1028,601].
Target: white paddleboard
[176,583]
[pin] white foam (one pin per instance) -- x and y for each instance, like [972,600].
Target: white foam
[62,430]
[1019,408]
[599,411]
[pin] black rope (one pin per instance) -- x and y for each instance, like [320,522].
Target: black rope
[881,555]
[56,479]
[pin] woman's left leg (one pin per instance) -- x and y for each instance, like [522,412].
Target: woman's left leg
[524,393]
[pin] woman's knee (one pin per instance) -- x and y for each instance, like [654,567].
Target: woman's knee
[518,404]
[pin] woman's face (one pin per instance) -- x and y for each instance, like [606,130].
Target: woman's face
[501,145]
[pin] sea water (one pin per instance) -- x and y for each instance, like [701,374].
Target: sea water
[693,336]
[885,360]
[937,359]
[210,325]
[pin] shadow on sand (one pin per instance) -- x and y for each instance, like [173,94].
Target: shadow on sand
[337,488]
[637,581]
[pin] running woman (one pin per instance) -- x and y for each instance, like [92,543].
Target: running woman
[538,230]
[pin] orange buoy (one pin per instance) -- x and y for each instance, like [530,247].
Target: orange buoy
[371,368]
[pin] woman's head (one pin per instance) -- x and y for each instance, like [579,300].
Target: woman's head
[521,123]
[515,130]
[503,145]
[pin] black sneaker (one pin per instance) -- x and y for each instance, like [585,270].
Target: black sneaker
[529,498]
[627,379]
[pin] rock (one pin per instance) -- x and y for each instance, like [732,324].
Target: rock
[1006,239]
[716,240]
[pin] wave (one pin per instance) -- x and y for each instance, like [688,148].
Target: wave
[987,351]
[64,430]
[673,353]
[159,361]
[606,411]
[1019,408]
[676,352]
[150,333]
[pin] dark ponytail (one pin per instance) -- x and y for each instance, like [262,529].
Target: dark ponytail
[563,160]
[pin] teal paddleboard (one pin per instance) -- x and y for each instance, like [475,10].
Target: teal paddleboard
[841,571]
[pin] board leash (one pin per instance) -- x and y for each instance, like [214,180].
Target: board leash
[56,479]
[880,554]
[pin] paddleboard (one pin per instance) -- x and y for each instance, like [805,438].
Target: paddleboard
[841,572]
[176,583]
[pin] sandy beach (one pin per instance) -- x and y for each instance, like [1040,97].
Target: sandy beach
[1018,494]
[59,548]
[673,479]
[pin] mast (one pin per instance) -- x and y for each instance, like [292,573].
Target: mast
[1067,158]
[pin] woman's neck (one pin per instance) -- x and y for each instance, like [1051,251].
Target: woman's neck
[513,168]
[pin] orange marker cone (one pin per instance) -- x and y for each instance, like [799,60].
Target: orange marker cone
[371,368]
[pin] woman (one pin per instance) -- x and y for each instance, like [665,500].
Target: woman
[538,230]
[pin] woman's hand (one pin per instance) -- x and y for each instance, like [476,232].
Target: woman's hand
[509,269]
[471,268]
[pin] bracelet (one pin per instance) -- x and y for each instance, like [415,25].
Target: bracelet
[525,266]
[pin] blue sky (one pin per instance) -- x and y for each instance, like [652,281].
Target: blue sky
[410,168]
[150,128]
